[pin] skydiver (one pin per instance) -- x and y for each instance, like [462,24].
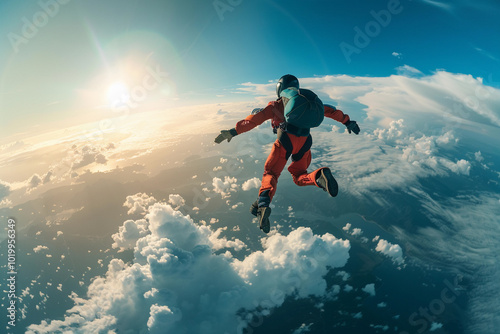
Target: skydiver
[293,140]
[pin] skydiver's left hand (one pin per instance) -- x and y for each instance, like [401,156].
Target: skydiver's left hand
[352,126]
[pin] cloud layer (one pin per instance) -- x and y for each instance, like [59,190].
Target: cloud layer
[178,283]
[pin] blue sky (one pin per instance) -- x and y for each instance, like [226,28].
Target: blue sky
[65,69]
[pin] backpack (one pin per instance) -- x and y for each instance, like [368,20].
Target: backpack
[303,108]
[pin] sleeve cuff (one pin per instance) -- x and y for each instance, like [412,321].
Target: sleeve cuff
[233,132]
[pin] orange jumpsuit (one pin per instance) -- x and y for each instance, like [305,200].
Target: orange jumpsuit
[287,144]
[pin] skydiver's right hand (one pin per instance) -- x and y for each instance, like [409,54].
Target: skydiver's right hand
[225,134]
[352,126]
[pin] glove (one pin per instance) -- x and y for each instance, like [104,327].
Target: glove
[352,126]
[225,134]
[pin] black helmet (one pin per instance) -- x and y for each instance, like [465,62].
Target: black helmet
[285,82]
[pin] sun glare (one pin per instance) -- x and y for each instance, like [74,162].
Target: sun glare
[118,95]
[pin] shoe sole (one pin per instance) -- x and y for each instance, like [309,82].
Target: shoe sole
[265,226]
[332,186]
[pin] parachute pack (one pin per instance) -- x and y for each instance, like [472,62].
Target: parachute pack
[303,108]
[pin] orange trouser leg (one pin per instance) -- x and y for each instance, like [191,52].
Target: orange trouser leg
[273,167]
[298,169]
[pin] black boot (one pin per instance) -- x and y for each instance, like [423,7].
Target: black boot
[254,208]
[327,182]
[263,214]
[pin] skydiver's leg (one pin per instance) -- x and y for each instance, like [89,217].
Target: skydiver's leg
[273,167]
[298,169]
[321,177]
[301,159]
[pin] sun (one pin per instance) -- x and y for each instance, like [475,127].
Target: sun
[118,94]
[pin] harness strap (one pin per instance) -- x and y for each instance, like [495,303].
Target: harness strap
[288,146]
[306,147]
[286,142]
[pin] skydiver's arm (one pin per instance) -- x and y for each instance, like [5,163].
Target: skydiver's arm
[255,119]
[334,113]
[339,116]
[251,121]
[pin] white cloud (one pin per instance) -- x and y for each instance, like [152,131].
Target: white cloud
[408,71]
[384,327]
[251,184]
[345,275]
[285,255]
[303,329]
[358,315]
[224,188]
[393,251]
[331,294]
[397,54]
[139,203]
[47,177]
[487,54]
[40,248]
[390,158]
[162,319]
[12,146]
[87,155]
[4,189]
[435,326]
[460,167]
[236,205]
[176,200]
[347,227]
[382,304]
[34,181]
[441,5]
[369,289]
[348,288]
[129,233]
[217,242]
[478,156]
[5,203]
[446,138]
[356,232]
[395,131]
[177,283]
